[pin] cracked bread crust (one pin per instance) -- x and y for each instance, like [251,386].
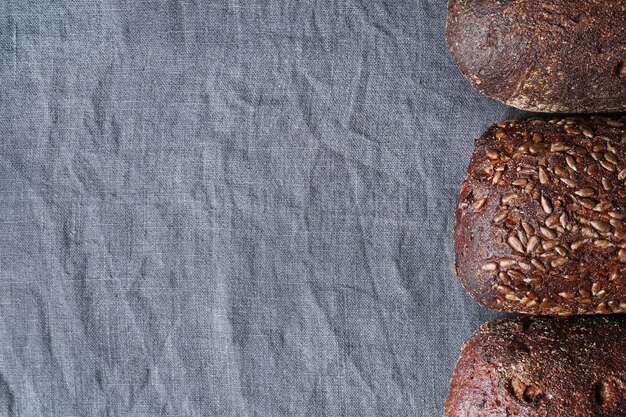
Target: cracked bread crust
[542,367]
[546,56]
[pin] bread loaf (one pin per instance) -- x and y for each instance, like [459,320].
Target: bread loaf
[542,367]
[541,222]
[548,56]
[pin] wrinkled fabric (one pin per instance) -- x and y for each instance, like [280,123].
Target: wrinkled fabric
[231,208]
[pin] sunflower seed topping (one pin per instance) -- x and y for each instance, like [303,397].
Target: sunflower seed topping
[546,205]
[585,192]
[480,202]
[548,233]
[490,266]
[601,226]
[515,243]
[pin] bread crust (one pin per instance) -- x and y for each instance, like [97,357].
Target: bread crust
[542,367]
[545,56]
[540,225]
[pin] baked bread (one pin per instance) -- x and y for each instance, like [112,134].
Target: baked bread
[547,56]
[542,367]
[541,221]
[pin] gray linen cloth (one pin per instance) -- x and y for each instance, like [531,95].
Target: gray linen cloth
[231,208]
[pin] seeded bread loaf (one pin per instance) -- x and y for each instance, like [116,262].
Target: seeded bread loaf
[542,367]
[549,56]
[541,221]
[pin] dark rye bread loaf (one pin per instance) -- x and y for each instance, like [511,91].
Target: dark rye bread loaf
[548,56]
[541,221]
[542,367]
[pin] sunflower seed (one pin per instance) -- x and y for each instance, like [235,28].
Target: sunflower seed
[622,255]
[515,243]
[601,226]
[537,137]
[566,294]
[563,219]
[587,203]
[572,131]
[537,264]
[586,131]
[506,199]
[546,205]
[536,147]
[571,163]
[614,123]
[525,266]
[500,216]
[602,243]
[595,288]
[504,289]
[548,233]
[558,262]
[558,147]
[490,266]
[511,297]
[580,150]
[552,220]
[589,232]
[480,202]
[592,170]
[496,177]
[611,157]
[515,274]
[585,192]
[622,174]
[560,250]
[543,175]
[493,154]
[596,155]
[507,262]
[606,184]
[521,182]
[548,245]
[532,295]
[522,237]
[528,228]
[608,166]
[562,172]
[568,182]
[578,244]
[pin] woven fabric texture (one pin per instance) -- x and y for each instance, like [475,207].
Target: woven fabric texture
[231,208]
